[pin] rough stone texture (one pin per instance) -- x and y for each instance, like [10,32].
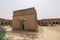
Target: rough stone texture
[29,17]
[5,21]
[47,22]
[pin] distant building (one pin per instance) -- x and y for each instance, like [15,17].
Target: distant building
[25,19]
[4,22]
[49,22]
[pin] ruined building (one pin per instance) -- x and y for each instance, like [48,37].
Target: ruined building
[25,19]
[4,22]
[49,22]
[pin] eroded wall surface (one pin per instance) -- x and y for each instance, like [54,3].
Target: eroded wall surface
[29,17]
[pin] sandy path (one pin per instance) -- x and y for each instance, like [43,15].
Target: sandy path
[50,34]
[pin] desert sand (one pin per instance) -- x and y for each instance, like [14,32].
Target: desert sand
[44,33]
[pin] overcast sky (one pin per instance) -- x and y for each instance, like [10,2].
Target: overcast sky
[44,8]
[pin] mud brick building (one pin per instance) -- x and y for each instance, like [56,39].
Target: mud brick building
[4,22]
[49,22]
[25,19]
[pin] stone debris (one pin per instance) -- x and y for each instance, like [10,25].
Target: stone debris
[22,37]
[45,33]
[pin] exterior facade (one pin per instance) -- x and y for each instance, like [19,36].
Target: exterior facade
[49,22]
[25,19]
[4,22]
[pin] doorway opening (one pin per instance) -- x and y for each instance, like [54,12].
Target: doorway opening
[2,23]
[22,24]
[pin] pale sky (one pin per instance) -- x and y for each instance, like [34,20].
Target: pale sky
[44,8]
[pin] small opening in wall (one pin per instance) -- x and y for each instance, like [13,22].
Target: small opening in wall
[53,22]
[5,23]
[22,25]
[8,23]
[56,22]
[2,23]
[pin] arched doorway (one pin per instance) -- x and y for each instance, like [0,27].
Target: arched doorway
[5,23]
[2,23]
[22,25]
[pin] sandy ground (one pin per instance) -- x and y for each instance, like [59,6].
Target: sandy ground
[45,33]
[7,28]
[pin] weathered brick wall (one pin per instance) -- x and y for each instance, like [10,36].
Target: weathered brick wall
[47,22]
[29,15]
[5,22]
